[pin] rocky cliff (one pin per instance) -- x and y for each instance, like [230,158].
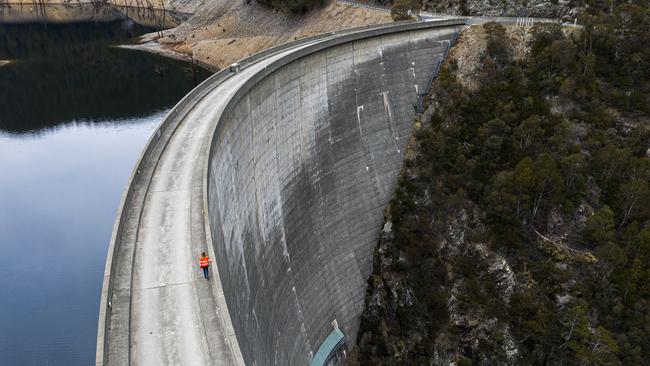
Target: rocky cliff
[519,233]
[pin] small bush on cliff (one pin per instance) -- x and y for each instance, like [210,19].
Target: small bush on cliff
[404,9]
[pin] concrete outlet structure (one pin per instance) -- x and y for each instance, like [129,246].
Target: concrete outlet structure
[281,169]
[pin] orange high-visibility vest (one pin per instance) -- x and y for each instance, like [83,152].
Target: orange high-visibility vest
[204,262]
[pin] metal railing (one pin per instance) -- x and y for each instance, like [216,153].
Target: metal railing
[419,108]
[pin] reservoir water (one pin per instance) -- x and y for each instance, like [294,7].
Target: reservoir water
[75,113]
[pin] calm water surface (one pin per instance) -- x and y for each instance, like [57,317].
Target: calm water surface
[74,115]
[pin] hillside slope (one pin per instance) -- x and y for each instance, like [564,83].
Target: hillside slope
[519,233]
[224,31]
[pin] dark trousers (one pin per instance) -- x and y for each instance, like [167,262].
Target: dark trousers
[205,272]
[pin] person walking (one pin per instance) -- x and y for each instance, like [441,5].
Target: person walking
[204,263]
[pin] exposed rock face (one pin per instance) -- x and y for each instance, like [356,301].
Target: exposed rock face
[181,6]
[394,322]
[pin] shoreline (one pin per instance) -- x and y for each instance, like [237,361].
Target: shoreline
[149,43]
[75,11]
[214,42]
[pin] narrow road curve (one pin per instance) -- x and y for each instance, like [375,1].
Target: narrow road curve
[174,315]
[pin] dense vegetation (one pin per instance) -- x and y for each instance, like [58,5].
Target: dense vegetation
[519,232]
[400,8]
[293,6]
[537,8]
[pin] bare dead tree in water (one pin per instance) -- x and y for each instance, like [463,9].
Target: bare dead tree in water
[98,3]
[39,7]
[160,70]
[193,70]
[161,19]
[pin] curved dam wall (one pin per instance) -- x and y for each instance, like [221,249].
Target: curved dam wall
[301,166]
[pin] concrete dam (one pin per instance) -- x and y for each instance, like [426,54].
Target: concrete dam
[279,167]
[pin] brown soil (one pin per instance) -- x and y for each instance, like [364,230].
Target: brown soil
[471,47]
[467,54]
[224,31]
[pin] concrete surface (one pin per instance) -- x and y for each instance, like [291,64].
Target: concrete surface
[290,162]
[302,165]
